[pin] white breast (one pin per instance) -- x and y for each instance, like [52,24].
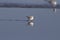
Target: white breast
[30,18]
[54,3]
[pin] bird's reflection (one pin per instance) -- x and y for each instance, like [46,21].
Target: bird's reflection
[31,24]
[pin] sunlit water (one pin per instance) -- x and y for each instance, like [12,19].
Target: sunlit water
[46,24]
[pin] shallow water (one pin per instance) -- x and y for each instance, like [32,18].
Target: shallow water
[46,24]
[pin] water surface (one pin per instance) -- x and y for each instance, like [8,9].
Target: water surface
[47,24]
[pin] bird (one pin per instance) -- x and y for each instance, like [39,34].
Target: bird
[30,18]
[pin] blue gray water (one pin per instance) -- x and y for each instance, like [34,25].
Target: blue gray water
[46,27]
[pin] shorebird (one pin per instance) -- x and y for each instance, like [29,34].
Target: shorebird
[30,18]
